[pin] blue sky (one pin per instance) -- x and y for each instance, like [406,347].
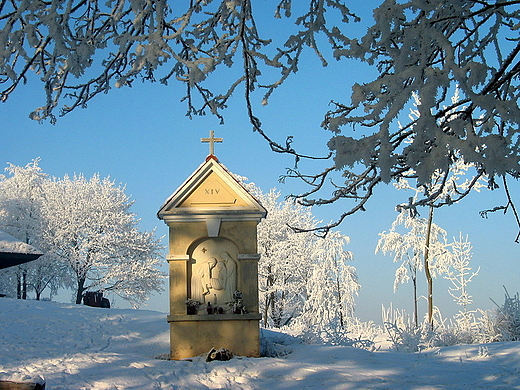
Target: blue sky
[141,137]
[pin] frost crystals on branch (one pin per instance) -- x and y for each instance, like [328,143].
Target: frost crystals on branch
[79,49]
[425,49]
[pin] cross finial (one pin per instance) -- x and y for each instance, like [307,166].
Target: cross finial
[211,141]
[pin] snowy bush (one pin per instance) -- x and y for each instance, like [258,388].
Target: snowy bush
[499,324]
[488,331]
[276,344]
[507,318]
[364,330]
[337,335]
[466,327]
[404,335]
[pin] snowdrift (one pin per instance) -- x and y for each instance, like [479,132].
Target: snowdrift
[83,348]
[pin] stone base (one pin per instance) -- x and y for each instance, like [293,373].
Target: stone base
[193,335]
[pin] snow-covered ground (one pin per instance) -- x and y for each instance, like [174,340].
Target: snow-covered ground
[79,348]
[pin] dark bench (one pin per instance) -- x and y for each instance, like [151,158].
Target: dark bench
[95,299]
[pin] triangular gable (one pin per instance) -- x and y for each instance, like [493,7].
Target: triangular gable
[211,190]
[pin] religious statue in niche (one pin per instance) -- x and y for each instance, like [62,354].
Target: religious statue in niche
[214,272]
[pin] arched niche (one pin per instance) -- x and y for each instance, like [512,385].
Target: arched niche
[213,271]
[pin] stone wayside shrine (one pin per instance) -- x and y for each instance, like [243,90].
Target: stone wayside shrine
[213,263]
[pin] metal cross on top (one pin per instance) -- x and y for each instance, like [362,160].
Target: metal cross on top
[211,141]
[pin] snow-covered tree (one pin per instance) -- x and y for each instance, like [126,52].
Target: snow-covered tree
[21,200]
[332,286]
[305,281]
[8,282]
[92,229]
[79,49]
[443,187]
[286,260]
[86,230]
[409,248]
[460,274]
[46,273]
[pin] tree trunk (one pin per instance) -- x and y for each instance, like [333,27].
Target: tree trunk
[81,289]
[277,312]
[413,272]
[340,302]
[18,285]
[21,283]
[24,284]
[269,297]
[429,279]
[415,309]
[267,306]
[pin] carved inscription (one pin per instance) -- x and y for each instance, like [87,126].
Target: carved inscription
[213,192]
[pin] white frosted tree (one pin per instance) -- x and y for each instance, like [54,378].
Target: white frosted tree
[443,187]
[407,241]
[93,231]
[86,230]
[286,260]
[21,200]
[460,274]
[332,286]
[305,280]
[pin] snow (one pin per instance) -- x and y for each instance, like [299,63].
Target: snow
[9,244]
[78,348]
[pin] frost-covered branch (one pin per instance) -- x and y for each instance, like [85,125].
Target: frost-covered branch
[421,49]
[424,51]
[509,205]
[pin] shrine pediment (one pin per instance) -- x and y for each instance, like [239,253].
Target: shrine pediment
[211,190]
